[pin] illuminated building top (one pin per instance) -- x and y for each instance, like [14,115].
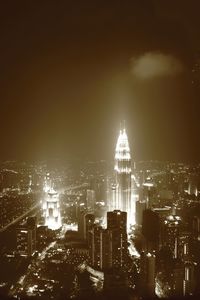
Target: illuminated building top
[122,153]
[53,195]
[51,206]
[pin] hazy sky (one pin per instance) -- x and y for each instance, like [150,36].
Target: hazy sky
[70,71]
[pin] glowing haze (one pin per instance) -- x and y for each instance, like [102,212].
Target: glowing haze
[59,61]
[153,64]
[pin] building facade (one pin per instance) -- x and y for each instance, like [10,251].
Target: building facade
[123,196]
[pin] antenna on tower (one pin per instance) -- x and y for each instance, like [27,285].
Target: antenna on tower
[124,126]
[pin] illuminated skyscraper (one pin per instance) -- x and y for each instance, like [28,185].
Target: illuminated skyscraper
[52,210]
[123,175]
[51,206]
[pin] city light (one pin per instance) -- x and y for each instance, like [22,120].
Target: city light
[51,209]
[91,207]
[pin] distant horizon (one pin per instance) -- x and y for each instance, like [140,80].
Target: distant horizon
[32,161]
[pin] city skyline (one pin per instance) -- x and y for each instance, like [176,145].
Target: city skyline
[68,232]
[99,156]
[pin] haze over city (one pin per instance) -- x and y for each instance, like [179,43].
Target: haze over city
[71,72]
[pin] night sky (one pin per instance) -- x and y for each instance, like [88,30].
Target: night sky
[71,71]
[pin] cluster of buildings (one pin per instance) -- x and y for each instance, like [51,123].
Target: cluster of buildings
[152,214]
[135,229]
[107,236]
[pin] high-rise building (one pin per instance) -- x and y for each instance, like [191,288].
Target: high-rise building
[140,206]
[151,268]
[171,234]
[108,248]
[26,237]
[189,280]
[151,229]
[85,224]
[148,192]
[117,220]
[147,274]
[51,208]
[123,175]
[114,240]
[94,243]
[88,224]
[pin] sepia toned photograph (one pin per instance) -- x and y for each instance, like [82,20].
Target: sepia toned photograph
[100,149]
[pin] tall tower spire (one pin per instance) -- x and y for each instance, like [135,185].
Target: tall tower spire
[123,172]
[122,153]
